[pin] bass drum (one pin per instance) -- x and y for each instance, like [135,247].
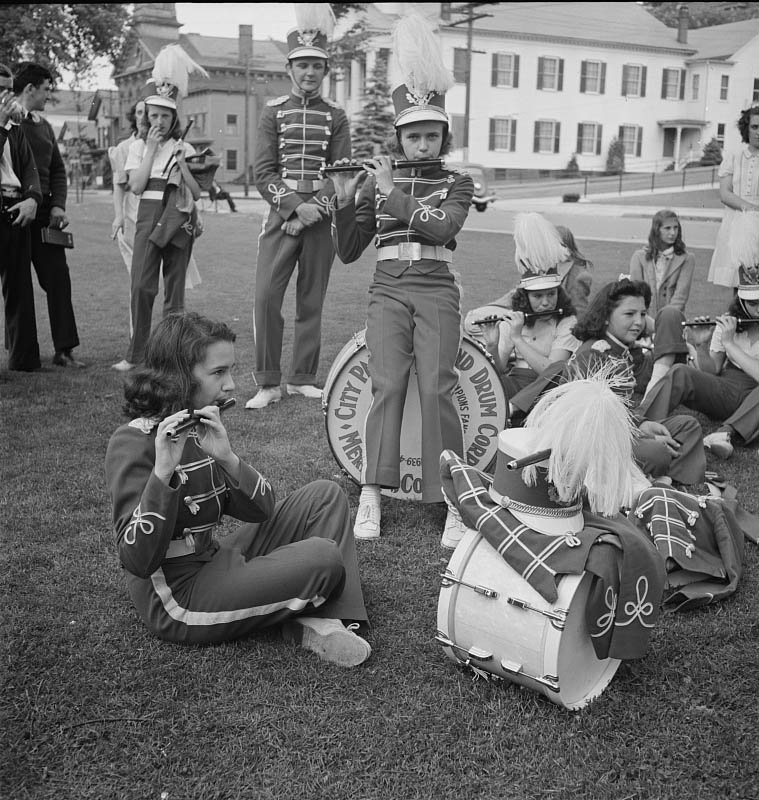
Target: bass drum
[479,396]
[490,619]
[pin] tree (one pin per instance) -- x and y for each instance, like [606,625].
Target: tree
[350,44]
[712,154]
[63,36]
[615,160]
[374,122]
[572,170]
[702,15]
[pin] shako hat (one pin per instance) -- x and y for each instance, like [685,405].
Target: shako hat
[424,77]
[315,23]
[538,252]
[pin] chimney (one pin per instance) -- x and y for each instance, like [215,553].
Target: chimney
[245,46]
[682,23]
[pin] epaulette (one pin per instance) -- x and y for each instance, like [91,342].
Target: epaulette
[331,103]
[277,101]
[144,424]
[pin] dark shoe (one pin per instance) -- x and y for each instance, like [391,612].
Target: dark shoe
[64,358]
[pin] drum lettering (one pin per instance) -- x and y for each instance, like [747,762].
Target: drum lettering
[464,361]
[360,371]
[461,398]
[348,401]
[485,394]
[411,484]
[478,448]
[351,444]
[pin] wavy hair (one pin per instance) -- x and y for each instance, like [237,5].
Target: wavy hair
[654,246]
[593,323]
[745,119]
[568,240]
[165,383]
[520,301]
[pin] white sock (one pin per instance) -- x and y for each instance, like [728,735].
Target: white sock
[370,493]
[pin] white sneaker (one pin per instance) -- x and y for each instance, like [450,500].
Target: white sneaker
[311,392]
[329,639]
[123,366]
[719,444]
[265,397]
[454,530]
[367,525]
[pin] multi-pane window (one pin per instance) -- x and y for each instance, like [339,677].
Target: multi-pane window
[505,70]
[546,136]
[593,77]
[721,133]
[755,95]
[695,86]
[633,80]
[503,134]
[231,159]
[231,125]
[723,84]
[673,84]
[460,64]
[589,138]
[551,73]
[631,137]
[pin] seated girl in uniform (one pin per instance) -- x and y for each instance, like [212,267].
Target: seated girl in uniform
[292,563]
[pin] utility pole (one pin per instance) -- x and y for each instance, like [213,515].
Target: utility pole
[468,10]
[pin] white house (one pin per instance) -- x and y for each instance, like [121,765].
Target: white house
[549,80]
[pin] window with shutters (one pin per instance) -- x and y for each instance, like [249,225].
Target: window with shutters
[593,77]
[505,71]
[723,84]
[550,74]
[631,137]
[673,84]
[460,64]
[547,135]
[503,134]
[589,138]
[633,80]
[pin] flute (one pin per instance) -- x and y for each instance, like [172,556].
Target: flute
[396,164]
[172,160]
[528,316]
[194,418]
[695,323]
[528,461]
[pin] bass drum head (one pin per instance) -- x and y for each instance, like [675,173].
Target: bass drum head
[479,398]
[505,628]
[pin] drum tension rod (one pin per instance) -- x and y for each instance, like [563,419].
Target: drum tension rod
[560,615]
[449,579]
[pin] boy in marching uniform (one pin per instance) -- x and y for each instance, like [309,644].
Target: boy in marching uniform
[298,134]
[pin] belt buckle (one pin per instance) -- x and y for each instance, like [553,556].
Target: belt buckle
[305,186]
[409,251]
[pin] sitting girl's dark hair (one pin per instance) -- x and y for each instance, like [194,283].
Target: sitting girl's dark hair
[592,325]
[520,301]
[166,384]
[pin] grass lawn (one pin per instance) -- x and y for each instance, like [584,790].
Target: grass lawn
[94,708]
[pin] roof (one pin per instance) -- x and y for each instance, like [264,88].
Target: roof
[720,42]
[624,24]
[65,102]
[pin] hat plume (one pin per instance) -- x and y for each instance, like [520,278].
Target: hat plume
[419,57]
[173,66]
[315,17]
[538,245]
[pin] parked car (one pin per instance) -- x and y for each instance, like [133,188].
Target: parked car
[482,197]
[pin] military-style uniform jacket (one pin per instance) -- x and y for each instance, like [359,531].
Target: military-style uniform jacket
[297,136]
[428,206]
[149,516]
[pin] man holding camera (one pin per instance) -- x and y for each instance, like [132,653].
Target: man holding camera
[19,197]
[32,84]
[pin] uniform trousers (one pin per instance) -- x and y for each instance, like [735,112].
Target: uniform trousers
[278,253]
[732,397]
[18,298]
[146,265]
[413,318]
[53,275]
[302,560]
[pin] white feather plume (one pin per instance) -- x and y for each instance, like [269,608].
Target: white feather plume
[538,245]
[315,17]
[590,433]
[419,56]
[174,66]
[744,238]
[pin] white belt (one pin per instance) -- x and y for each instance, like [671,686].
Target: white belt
[413,251]
[151,194]
[304,186]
